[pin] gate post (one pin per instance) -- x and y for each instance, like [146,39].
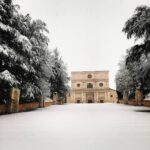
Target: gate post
[14,104]
[55,97]
[125,96]
[138,97]
[41,103]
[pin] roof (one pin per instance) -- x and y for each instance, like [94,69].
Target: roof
[112,89]
[90,71]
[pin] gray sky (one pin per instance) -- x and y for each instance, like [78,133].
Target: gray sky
[86,32]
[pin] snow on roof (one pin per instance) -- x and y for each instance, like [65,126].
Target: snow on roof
[112,89]
[7,76]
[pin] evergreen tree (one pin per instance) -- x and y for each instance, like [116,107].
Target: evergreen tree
[59,82]
[14,47]
[138,57]
[25,60]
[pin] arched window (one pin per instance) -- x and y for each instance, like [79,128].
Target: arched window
[89,85]
[89,76]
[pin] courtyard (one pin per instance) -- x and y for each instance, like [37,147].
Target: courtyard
[77,127]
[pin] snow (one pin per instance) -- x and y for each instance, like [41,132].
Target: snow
[7,51]
[77,127]
[7,76]
[5,27]
[27,46]
[25,42]
[2,1]
[25,67]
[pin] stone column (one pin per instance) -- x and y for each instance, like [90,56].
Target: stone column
[125,96]
[95,98]
[138,97]
[14,104]
[72,97]
[83,97]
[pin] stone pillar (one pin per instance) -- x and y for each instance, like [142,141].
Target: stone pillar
[55,97]
[125,97]
[138,97]
[41,103]
[14,104]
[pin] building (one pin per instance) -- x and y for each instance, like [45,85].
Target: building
[91,87]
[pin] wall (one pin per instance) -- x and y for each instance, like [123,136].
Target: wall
[69,99]
[111,96]
[82,79]
[133,102]
[28,106]
[46,104]
[4,109]
[146,103]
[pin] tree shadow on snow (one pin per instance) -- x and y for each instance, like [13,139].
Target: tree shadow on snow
[147,111]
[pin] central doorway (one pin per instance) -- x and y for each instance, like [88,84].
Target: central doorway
[78,101]
[90,101]
[90,97]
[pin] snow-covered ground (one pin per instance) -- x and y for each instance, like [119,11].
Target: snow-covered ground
[77,127]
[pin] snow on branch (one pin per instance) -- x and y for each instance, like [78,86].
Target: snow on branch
[2,1]
[7,51]
[26,44]
[5,27]
[10,78]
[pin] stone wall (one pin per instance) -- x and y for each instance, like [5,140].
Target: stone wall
[28,106]
[46,104]
[4,109]
[133,102]
[146,103]
[14,105]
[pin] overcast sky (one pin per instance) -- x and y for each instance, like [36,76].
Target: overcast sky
[88,33]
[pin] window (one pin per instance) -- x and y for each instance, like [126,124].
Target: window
[101,84]
[89,76]
[89,85]
[78,85]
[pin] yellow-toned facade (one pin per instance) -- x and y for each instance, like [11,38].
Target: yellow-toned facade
[91,87]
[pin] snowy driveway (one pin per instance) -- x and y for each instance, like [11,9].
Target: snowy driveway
[77,127]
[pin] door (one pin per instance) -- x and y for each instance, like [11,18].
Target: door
[90,97]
